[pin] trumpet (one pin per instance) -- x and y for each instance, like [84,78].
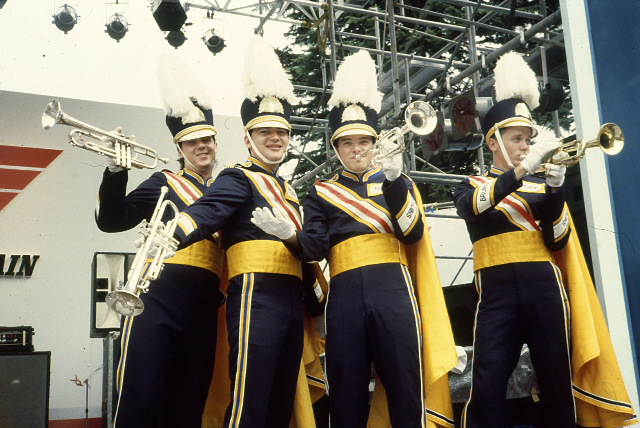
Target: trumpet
[420,118]
[125,300]
[610,139]
[123,148]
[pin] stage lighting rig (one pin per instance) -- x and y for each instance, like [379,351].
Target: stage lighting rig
[214,41]
[176,38]
[65,18]
[117,27]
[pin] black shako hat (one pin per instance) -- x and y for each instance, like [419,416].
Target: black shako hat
[505,113]
[265,112]
[353,119]
[192,130]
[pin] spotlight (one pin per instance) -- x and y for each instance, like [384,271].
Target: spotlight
[214,41]
[117,27]
[169,14]
[176,38]
[65,18]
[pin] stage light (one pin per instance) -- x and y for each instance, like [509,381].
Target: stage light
[176,38]
[214,41]
[117,27]
[169,14]
[65,18]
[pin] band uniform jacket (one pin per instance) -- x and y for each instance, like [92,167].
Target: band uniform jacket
[342,214]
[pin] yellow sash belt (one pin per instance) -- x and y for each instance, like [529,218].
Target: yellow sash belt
[511,247]
[365,250]
[263,257]
[204,254]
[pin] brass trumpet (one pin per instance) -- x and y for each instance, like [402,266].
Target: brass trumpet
[420,118]
[610,139]
[125,300]
[123,148]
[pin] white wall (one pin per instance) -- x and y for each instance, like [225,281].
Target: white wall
[53,217]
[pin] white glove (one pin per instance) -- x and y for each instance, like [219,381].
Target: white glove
[155,245]
[391,166]
[273,223]
[111,163]
[555,173]
[531,163]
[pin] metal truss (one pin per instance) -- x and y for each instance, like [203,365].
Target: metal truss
[412,77]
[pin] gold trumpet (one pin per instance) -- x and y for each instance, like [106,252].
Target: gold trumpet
[123,148]
[125,300]
[610,139]
[420,118]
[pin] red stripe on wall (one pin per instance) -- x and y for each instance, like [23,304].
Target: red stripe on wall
[16,179]
[5,198]
[76,423]
[27,156]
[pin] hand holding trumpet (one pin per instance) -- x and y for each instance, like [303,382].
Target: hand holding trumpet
[391,165]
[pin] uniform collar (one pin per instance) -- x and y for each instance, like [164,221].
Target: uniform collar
[495,171]
[263,166]
[367,176]
[194,176]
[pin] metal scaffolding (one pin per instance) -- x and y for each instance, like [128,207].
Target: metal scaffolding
[412,77]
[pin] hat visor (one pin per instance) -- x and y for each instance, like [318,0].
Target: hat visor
[513,122]
[356,129]
[268,122]
[197,133]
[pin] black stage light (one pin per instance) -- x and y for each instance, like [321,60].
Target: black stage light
[169,14]
[214,41]
[117,27]
[65,18]
[176,38]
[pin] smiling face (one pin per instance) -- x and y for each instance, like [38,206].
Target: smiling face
[349,146]
[516,140]
[272,143]
[200,152]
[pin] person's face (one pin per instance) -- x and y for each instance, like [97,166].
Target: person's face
[272,143]
[516,140]
[351,145]
[201,152]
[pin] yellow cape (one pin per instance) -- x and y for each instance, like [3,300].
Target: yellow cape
[308,391]
[601,397]
[438,348]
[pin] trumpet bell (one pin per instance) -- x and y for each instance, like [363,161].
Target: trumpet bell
[124,303]
[51,115]
[610,138]
[420,117]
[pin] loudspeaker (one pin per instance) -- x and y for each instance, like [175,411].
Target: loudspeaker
[109,271]
[24,389]
[461,301]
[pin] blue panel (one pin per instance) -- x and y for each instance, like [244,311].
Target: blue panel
[616,50]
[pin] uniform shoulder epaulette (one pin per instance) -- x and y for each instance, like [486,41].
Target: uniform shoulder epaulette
[332,178]
[246,164]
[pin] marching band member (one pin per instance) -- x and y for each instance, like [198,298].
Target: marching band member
[264,311]
[168,350]
[368,222]
[516,222]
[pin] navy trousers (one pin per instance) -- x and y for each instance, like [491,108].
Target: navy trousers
[520,303]
[265,328]
[372,315]
[168,351]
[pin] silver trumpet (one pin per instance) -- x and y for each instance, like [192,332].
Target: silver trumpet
[420,118]
[123,151]
[157,244]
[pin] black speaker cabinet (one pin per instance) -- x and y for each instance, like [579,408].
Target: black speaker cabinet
[24,389]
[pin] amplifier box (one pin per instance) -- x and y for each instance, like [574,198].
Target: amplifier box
[16,339]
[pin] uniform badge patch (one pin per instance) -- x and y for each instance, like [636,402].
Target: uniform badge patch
[291,193]
[374,189]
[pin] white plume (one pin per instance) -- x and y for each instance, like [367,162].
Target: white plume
[515,79]
[356,82]
[263,74]
[178,87]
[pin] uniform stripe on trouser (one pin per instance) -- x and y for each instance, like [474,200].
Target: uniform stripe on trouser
[124,346]
[243,345]
[416,315]
[478,281]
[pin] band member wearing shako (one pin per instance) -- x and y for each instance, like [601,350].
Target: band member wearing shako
[264,297]
[363,220]
[515,222]
[168,350]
